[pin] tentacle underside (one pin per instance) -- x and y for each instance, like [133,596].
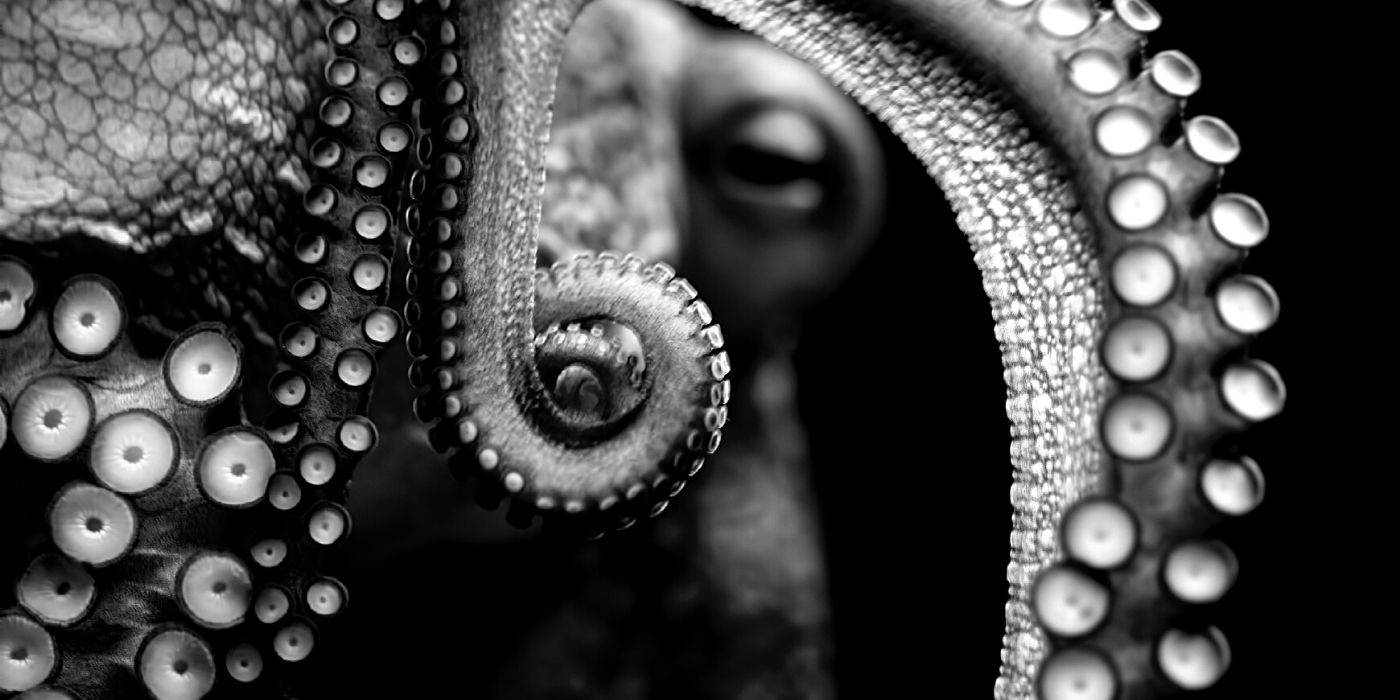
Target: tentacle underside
[187,543]
[1108,257]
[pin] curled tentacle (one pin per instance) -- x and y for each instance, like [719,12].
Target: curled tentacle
[473,333]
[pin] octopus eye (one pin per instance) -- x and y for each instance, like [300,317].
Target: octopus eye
[16,291]
[176,665]
[775,158]
[244,663]
[202,366]
[1078,674]
[215,589]
[56,590]
[235,468]
[91,524]
[51,418]
[26,653]
[133,452]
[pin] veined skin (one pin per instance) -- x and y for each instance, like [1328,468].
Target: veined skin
[258,158]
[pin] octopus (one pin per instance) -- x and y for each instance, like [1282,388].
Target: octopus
[202,207]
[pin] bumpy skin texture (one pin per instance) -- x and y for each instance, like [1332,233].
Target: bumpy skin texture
[256,155]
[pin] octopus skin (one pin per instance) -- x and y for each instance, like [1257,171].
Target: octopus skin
[201,201]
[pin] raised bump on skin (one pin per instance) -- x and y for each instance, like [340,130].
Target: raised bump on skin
[45,693]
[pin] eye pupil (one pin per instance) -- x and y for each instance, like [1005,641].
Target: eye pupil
[763,167]
[773,161]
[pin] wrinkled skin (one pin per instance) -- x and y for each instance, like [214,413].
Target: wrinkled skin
[219,180]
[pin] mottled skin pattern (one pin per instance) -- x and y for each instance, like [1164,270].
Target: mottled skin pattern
[1051,228]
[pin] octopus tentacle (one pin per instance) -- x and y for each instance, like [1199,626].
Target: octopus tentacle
[105,411]
[1173,390]
[1089,205]
[474,334]
[187,518]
